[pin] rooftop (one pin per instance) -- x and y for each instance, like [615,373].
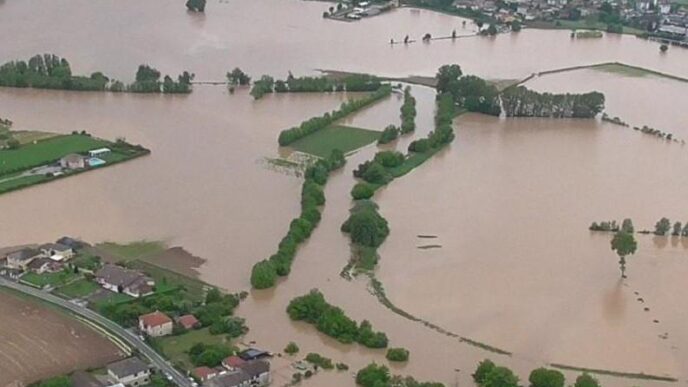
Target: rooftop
[126,367]
[23,255]
[118,276]
[154,319]
[255,368]
[188,321]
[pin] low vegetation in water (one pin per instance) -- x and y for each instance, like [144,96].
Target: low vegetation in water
[315,124]
[291,348]
[588,34]
[49,71]
[265,273]
[332,321]
[196,5]
[397,354]
[374,375]
[320,361]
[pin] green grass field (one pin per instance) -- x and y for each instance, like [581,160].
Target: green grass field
[176,348]
[344,138]
[52,279]
[112,298]
[619,69]
[46,151]
[77,289]
[13,184]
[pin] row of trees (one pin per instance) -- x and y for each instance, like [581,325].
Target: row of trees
[521,102]
[315,124]
[264,273]
[489,374]
[49,71]
[444,132]
[322,84]
[626,226]
[662,227]
[374,375]
[408,112]
[332,321]
[376,171]
[469,92]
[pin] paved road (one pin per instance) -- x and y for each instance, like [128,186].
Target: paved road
[133,340]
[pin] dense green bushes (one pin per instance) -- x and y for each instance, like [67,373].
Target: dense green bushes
[408,112]
[209,355]
[365,226]
[488,374]
[49,71]
[362,191]
[469,92]
[375,375]
[264,273]
[397,354]
[444,132]
[522,102]
[314,124]
[321,84]
[389,134]
[332,321]
[320,361]
[196,5]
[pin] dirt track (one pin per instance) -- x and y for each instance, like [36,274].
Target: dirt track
[37,342]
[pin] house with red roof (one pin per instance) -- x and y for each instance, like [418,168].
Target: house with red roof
[155,324]
[233,362]
[205,373]
[188,321]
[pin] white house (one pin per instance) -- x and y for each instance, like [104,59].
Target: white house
[131,372]
[155,324]
[22,258]
[73,161]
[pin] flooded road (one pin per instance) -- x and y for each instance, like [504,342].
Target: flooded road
[510,201]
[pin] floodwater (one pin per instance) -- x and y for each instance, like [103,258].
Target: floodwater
[510,201]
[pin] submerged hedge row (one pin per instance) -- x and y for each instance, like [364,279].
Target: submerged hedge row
[265,273]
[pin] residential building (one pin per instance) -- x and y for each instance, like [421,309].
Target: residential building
[258,372]
[44,265]
[131,372]
[249,374]
[253,354]
[233,362]
[75,244]
[57,251]
[21,259]
[155,324]
[122,280]
[188,321]
[205,373]
[73,161]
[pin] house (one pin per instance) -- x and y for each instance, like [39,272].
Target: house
[230,379]
[205,373]
[155,324]
[122,280]
[57,251]
[44,265]
[21,259]
[188,321]
[258,372]
[253,354]
[233,362]
[10,273]
[73,161]
[100,152]
[75,244]
[131,372]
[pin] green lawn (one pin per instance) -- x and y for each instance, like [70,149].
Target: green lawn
[112,298]
[175,348]
[52,279]
[86,261]
[78,289]
[133,250]
[620,69]
[46,151]
[13,184]
[344,138]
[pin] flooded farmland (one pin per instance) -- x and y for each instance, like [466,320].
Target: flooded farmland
[509,201]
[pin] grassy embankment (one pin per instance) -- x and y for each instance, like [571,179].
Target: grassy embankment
[345,138]
[579,25]
[16,162]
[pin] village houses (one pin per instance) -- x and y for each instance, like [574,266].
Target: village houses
[156,324]
[122,280]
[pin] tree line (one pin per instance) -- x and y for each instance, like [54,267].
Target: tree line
[265,273]
[489,374]
[322,84]
[374,375]
[332,321]
[477,95]
[408,112]
[315,124]
[49,71]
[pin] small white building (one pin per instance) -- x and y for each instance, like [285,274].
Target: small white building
[100,152]
[57,252]
[73,161]
[131,372]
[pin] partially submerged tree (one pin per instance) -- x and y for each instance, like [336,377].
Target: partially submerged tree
[624,244]
[196,5]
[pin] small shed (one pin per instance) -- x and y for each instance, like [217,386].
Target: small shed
[100,152]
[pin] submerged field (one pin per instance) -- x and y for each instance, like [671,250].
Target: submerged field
[37,342]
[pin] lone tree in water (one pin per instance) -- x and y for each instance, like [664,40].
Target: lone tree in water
[624,244]
[196,5]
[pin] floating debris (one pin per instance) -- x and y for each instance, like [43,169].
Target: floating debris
[426,247]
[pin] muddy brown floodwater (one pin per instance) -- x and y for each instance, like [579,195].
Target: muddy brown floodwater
[510,200]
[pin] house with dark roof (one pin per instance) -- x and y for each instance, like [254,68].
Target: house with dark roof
[131,372]
[230,379]
[254,354]
[248,374]
[155,324]
[57,251]
[122,280]
[44,265]
[21,259]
